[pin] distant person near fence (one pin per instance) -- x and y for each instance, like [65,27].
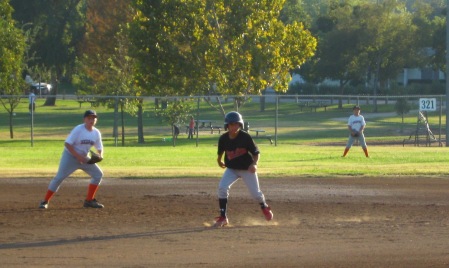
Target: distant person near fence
[191,128]
[175,132]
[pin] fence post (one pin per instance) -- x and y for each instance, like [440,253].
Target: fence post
[115,130]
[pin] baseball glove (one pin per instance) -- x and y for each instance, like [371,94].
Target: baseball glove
[94,158]
[355,134]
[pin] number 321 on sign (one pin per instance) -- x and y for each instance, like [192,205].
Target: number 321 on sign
[427,104]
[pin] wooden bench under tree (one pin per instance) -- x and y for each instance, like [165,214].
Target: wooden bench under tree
[313,106]
[262,136]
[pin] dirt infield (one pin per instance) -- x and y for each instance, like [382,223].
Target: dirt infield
[318,222]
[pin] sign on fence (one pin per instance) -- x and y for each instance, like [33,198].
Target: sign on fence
[427,104]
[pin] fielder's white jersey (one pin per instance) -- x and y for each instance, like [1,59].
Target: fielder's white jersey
[356,122]
[82,139]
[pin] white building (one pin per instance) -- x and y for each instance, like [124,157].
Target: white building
[416,75]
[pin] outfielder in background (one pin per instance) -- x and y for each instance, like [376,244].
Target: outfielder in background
[356,126]
[241,156]
[76,156]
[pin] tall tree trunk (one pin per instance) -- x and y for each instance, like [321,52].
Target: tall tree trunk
[376,82]
[342,89]
[51,100]
[123,123]
[262,102]
[11,131]
[140,135]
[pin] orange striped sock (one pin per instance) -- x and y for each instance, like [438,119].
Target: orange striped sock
[365,150]
[91,192]
[49,195]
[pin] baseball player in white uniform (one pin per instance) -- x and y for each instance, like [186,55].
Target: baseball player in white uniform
[241,156]
[356,126]
[75,156]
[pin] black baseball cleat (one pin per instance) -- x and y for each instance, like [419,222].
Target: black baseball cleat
[43,205]
[92,204]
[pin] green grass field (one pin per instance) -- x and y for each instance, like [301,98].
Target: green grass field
[309,144]
[281,161]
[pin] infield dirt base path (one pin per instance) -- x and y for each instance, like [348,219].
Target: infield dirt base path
[318,222]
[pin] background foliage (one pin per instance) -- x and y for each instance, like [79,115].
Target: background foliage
[190,47]
[133,48]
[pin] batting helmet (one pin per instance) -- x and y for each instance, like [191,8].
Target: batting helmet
[233,117]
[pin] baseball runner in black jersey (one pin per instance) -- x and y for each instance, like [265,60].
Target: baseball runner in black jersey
[241,157]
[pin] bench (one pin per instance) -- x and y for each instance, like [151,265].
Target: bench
[214,128]
[205,128]
[262,131]
[313,105]
[81,100]
[93,102]
[257,131]
[204,123]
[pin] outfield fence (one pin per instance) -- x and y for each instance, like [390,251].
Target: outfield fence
[271,119]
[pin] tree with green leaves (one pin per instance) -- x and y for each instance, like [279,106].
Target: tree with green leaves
[366,42]
[105,65]
[389,41]
[430,20]
[402,106]
[102,41]
[340,55]
[303,11]
[176,114]
[61,26]
[12,48]
[217,47]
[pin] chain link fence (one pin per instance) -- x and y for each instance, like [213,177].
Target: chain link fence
[271,119]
